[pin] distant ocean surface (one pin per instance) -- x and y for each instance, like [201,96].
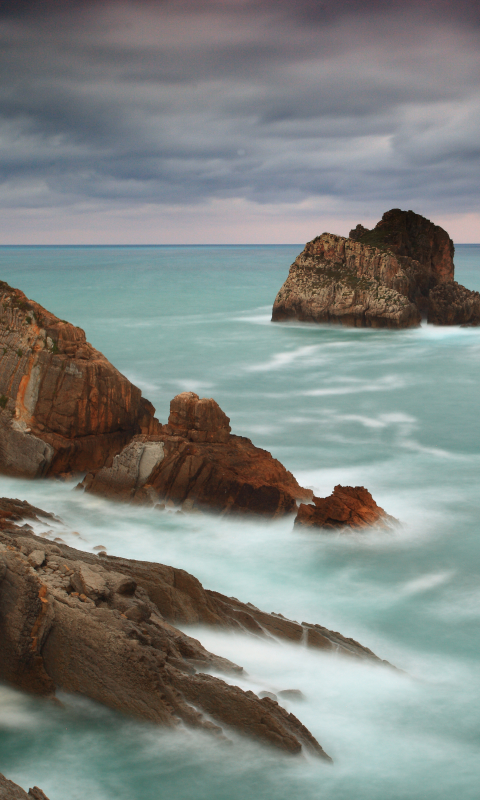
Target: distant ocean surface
[395,411]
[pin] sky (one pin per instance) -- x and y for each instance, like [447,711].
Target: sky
[209,121]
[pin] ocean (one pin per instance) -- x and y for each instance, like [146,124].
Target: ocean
[395,411]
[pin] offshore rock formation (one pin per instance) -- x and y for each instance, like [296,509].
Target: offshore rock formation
[390,276]
[196,463]
[347,507]
[63,406]
[11,791]
[105,627]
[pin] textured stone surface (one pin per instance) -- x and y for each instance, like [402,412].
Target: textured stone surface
[201,465]
[375,278]
[105,627]
[453,304]
[63,406]
[11,791]
[347,507]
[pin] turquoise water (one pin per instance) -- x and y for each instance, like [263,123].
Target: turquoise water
[394,411]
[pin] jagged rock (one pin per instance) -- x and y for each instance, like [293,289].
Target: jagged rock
[63,406]
[453,304]
[11,791]
[347,507]
[376,278]
[198,464]
[408,234]
[116,641]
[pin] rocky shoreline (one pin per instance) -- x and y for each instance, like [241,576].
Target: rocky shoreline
[106,627]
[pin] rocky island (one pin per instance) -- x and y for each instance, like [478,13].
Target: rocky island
[391,276]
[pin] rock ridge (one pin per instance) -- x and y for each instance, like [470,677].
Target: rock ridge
[106,627]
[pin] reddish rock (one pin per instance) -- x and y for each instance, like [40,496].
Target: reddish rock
[63,406]
[198,420]
[375,278]
[197,463]
[347,507]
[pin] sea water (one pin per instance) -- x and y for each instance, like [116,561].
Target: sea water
[395,411]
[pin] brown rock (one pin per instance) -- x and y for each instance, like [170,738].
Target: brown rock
[453,304]
[63,406]
[197,464]
[408,234]
[11,791]
[199,420]
[347,507]
[375,278]
[120,645]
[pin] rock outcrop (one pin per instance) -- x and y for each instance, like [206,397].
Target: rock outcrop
[453,304]
[105,627]
[63,406]
[390,276]
[198,464]
[347,507]
[11,791]
[65,409]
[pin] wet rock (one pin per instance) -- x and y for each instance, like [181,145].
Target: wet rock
[120,646]
[202,468]
[347,507]
[291,694]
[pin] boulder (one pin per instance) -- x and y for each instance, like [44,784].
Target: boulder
[390,276]
[347,507]
[63,406]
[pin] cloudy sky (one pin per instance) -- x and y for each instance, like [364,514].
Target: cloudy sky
[198,121]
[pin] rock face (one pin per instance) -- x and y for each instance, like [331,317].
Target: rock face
[453,304]
[10,791]
[382,277]
[105,627]
[198,464]
[347,507]
[63,406]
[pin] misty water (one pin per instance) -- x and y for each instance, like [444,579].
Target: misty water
[395,411]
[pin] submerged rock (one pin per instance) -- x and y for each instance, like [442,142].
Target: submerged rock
[105,627]
[11,791]
[389,276]
[347,507]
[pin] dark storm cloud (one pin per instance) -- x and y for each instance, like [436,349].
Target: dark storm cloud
[181,102]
